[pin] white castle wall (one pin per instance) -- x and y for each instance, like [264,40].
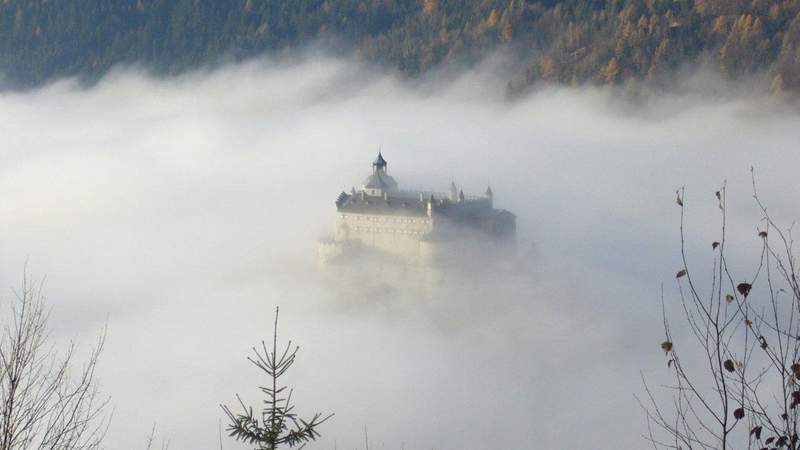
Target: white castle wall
[394,234]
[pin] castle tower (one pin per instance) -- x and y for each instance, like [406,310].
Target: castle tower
[380,164]
[379,184]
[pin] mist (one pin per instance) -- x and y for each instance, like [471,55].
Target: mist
[180,212]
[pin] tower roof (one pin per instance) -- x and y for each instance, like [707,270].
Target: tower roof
[379,161]
[380,181]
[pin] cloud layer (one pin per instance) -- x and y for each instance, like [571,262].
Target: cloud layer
[182,211]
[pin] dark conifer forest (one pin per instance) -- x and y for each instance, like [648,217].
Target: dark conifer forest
[568,41]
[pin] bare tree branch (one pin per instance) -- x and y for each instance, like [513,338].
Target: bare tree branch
[746,328]
[45,403]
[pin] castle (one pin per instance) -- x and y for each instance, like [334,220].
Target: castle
[417,227]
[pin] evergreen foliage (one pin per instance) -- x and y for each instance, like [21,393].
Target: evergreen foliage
[567,41]
[277,424]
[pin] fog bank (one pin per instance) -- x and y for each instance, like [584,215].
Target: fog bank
[181,211]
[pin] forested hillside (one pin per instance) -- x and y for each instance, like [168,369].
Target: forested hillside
[569,41]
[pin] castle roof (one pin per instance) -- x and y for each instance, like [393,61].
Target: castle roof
[377,205]
[379,161]
[380,180]
[446,216]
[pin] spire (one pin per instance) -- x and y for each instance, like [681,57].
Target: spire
[461,196]
[379,165]
[453,191]
[489,192]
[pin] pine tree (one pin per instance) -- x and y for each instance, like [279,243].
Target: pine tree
[611,71]
[277,424]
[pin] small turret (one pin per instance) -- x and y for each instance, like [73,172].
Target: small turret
[461,196]
[379,183]
[341,199]
[453,191]
[490,195]
[380,164]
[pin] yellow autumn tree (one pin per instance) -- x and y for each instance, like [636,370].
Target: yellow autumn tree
[430,6]
[491,21]
[506,33]
[745,46]
[611,71]
[547,69]
[660,61]
[776,87]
